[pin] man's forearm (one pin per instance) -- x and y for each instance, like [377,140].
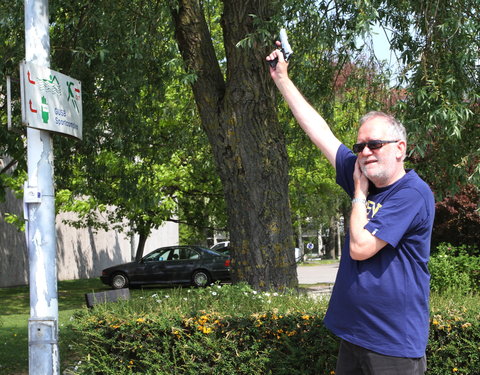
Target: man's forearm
[363,244]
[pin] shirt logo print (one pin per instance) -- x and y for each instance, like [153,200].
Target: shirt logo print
[372,209]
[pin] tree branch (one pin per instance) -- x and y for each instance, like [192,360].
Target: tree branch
[195,44]
[8,166]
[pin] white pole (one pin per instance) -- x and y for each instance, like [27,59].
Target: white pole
[43,352]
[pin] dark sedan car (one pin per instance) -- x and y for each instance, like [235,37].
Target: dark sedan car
[193,265]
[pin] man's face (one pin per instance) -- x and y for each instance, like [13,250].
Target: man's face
[384,165]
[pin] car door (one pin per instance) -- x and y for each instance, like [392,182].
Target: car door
[155,267]
[179,269]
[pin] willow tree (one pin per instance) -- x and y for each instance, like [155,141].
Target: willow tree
[238,114]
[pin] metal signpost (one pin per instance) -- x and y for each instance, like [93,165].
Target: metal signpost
[50,102]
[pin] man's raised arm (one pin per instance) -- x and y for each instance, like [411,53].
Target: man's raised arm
[309,119]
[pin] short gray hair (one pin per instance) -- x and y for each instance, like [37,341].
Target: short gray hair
[397,129]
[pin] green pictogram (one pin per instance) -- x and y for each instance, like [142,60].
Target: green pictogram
[44,110]
[72,95]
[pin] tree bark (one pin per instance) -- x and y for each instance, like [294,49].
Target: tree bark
[238,115]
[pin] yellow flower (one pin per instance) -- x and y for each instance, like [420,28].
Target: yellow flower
[140,320]
[455,369]
[332,372]
[435,322]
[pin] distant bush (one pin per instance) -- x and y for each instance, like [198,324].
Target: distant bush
[232,329]
[451,268]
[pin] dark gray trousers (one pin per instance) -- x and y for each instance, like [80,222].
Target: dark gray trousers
[355,360]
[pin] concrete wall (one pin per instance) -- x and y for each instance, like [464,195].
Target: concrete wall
[13,252]
[81,253]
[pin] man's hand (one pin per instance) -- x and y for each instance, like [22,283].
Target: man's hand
[360,182]
[281,69]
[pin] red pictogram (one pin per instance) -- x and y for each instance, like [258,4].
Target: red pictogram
[31,108]
[29,79]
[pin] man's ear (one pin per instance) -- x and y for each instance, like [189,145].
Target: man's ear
[401,150]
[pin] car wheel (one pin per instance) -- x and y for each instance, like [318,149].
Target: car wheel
[201,278]
[119,281]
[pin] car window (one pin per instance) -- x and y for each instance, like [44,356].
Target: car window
[164,255]
[174,254]
[191,254]
[152,257]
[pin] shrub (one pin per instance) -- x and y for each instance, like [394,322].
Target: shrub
[451,268]
[454,342]
[216,330]
[234,330]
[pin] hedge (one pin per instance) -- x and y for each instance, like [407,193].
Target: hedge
[234,330]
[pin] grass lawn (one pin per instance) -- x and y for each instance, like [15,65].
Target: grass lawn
[15,312]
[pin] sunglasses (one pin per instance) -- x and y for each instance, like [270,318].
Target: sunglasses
[372,145]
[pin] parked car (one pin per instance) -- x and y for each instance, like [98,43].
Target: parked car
[298,255]
[224,250]
[191,265]
[220,245]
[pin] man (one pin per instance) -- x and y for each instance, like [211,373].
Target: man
[379,305]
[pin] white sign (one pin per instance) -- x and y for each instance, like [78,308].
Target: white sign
[51,100]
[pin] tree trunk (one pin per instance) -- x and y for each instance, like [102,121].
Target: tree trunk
[142,239]
[239,117]
[321,250]
[301,245]
[338,234]
[331,238]
[143,228]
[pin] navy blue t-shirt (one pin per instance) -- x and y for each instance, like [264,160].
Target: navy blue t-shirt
[381,303]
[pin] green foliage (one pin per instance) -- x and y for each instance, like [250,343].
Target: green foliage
[228,329]
[143,150]
[453,341]
[143,143]
[452,268]
[439,47]
[233,329]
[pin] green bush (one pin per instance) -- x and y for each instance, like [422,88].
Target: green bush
[234,330]
[451,268]
[454,342]
[217,330]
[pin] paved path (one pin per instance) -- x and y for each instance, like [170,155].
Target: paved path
[324,273]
